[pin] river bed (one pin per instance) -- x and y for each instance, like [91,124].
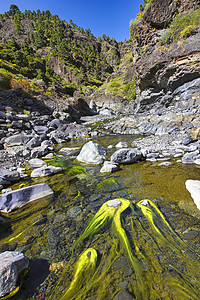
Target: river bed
[152,252]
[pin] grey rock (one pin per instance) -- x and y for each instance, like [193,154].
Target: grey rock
[121,145]
[12,264]
[37,163]
[18,139]
[189,157]
[109,166]
[46,143]
[7,177]
[56,123]
[123,284]
[126,156]
[166,164]
[46,171]
[40,151]
[74,212]
[70,151]
[58,137]
[18,198]
[123,295]
[92,153]
[41,129]
[187,140]
[34,142]
[114,203]
[147,128]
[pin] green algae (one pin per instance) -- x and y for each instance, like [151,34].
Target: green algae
[108,185]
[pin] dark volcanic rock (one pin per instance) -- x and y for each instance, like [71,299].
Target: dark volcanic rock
[166,9]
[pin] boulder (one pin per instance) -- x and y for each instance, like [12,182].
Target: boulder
[127,156]
[37,163]
[8,177]
[41,129]
[18,198]
[193,186]
[190,157]
[17,140]
[92,153]
[109,166]
[58,137]
[70,151]
[46,171]
[12,265]
[40,151]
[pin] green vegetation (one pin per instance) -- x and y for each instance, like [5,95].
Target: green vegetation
[182,26]
[122,88]
[63,55]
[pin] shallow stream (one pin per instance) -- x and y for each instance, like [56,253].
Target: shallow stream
[151,251]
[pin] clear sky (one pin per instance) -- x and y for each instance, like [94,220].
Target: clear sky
[111,17]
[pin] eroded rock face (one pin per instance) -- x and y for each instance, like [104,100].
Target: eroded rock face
[12,264]
[166,9]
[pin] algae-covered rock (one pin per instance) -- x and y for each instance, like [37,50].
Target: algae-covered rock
[12,264]
[18,198]
[108,185]
[123,295]
[92,153]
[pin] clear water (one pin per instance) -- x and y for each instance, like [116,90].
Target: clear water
[46,231]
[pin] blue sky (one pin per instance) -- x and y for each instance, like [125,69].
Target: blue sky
[111,17]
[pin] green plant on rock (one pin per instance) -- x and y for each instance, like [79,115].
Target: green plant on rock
[182,26]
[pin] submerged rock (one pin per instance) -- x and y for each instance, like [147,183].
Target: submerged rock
[92,153]
[126,156]
[123,295]
[12,264]
[109,166]
[46,171]
[193,186]
[18,198]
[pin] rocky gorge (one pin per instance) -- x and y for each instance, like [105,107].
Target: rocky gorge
[100,194]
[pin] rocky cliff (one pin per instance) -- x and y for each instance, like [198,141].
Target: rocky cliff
[163,55]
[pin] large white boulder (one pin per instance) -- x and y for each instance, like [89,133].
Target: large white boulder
[193,186]
[12,264]
[92,153]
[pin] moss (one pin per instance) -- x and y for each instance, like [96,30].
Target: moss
[107,185]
